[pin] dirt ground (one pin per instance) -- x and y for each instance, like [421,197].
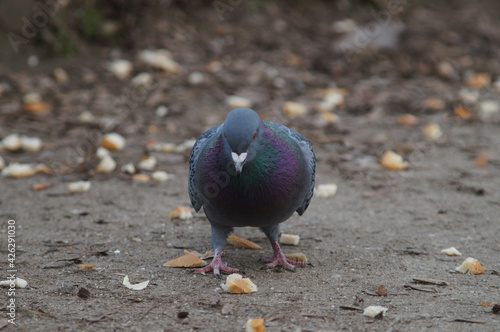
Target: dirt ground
[381,228]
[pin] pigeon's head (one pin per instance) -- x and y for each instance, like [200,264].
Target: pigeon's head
[242,130]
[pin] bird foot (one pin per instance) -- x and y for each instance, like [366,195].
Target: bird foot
[217,265]
[279,259]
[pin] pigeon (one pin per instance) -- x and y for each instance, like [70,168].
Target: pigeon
[250,172]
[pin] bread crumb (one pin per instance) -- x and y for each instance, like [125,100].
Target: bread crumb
[452,251]
[470,266]
[297,257]
[181,212]
[236,284]
[393,161]
[239,242]
[255,325]
[289,239]
[375,311]
[188,260]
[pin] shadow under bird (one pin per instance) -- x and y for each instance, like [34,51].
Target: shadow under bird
[249,172]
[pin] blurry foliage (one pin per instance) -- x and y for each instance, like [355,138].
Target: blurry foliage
[65,43]
[118,22]
[91,21]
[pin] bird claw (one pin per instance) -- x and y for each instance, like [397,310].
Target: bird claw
[265,259]
[280,259]
[289,265]
[217,266]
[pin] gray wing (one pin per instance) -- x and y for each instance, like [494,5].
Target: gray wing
[310,160]
[194,193]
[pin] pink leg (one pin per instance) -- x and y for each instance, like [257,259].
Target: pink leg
[280,259]
[217,265]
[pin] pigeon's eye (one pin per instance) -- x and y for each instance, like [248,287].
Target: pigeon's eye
[254,135]
[225,135]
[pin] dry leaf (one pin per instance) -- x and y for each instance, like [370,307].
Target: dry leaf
[139,286]
[255,325]
[239,242]
[470,266]
[381,291]
[393,161]
[181,212]
[236,284]
[188,260]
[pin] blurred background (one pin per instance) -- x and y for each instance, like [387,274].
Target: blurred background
[175,68]
[392,55]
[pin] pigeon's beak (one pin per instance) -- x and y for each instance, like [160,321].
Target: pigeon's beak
[239,162]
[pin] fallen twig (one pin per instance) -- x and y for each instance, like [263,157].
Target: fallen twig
[422,288]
